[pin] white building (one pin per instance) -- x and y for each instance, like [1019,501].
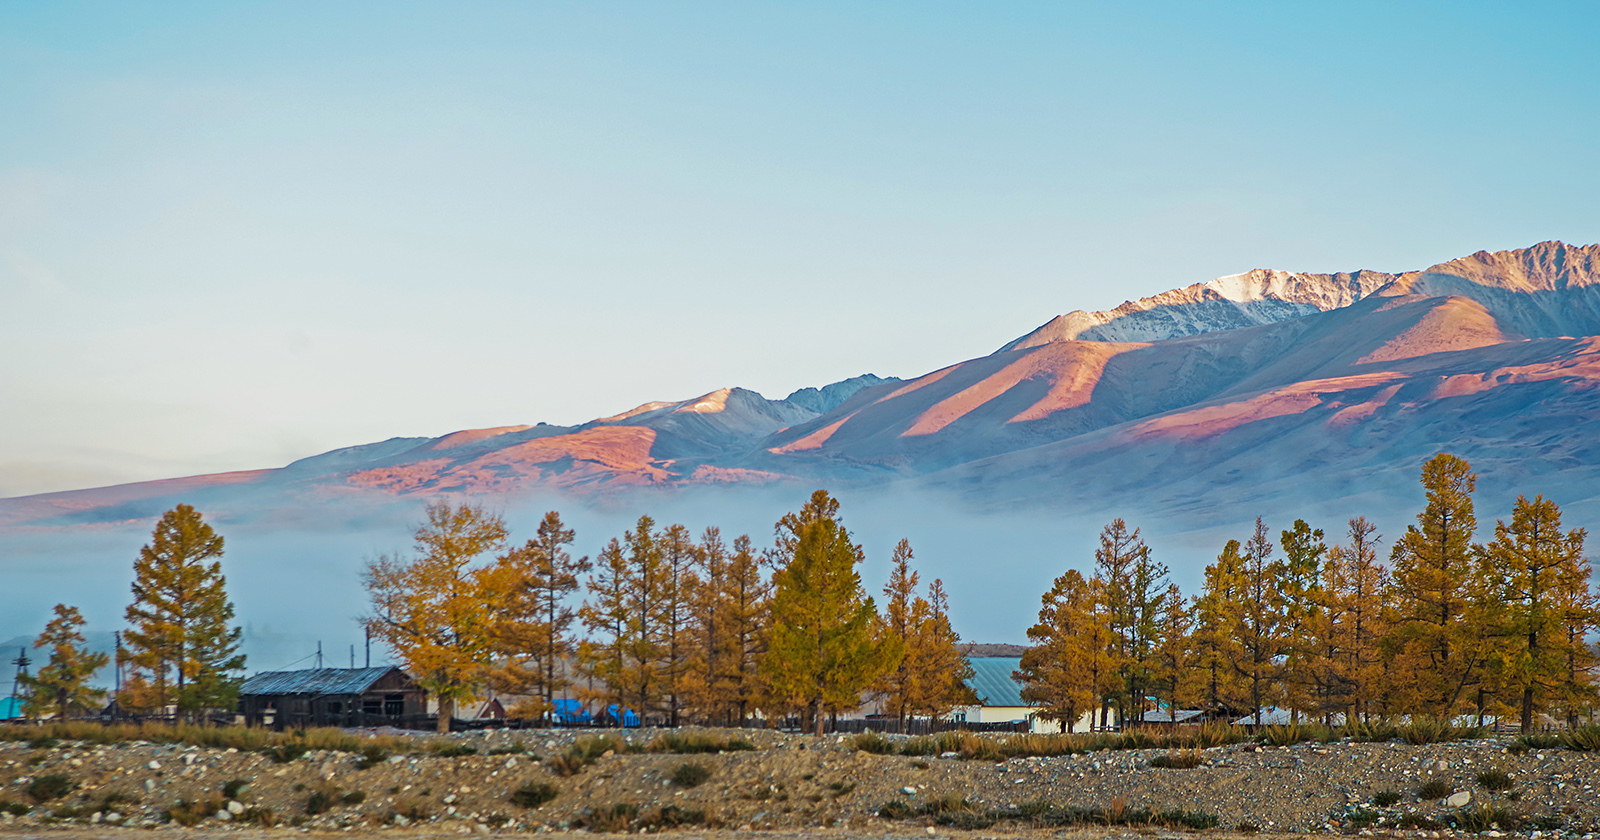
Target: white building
[1001,698]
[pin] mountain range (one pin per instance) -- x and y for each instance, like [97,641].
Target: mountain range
[1322,391]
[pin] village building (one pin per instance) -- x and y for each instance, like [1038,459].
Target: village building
[330,697]
[1000,699]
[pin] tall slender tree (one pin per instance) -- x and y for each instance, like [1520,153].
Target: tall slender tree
[533,625]
[605,614]
[1431,590]
[1300,590]
[181,640]
[903,613]
[1536,569]
[435,610]
[62,683]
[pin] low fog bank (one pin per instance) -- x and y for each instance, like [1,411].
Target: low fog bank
[294,568]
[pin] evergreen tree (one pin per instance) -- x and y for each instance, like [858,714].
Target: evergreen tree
[1361,626]
[604,614]
[1056,671]
[435,611]
[1536,570]
[1300,590]
[1431,589]
[1219,609]
[62,684]
[679,556]
[903,614]
[749,621]
[646,600]
[826,643]
[181,641]
[1258,630]
[1176,678]
[940,671]
[532,630]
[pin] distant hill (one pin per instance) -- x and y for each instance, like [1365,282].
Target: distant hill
[1198,405]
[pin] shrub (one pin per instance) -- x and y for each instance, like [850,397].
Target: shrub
[534,795]
[619,817]
[513,748]
[263,817]
[15,809]
[1582,739]
[1386,798]
[1434,789]
[354,797]
[1486,818]
[188,813]
[1432,730]
[284,753]
[691,774]
[1536,741]
[371,756]
[1494,780]
[919,746]
[235,788]
[671,816]
[874,743]
[1247,827]
[44,742]
[321,801]
[456,751]
[1179,760]
[690,743]
[896,809]
[1362,818]
[51,786]
[1418,822]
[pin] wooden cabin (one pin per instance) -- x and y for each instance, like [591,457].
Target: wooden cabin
[331,697]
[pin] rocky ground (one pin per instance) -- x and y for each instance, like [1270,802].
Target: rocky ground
[794,783]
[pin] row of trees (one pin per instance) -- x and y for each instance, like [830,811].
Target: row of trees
[180,653]
[1449,626]
[674,627]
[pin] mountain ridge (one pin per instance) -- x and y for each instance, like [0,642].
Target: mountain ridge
[1259,367]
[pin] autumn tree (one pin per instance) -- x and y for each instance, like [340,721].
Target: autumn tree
[903,612]
[1135,592]
[62,683]
[1218,610]
[1058,672]
[1258,631]
[532,626]
[941,670]
[180,641]
[605,615]
[746,598]
[1431,589]
[679,585]
[1176,678]
[1299,587]
[826,643]
[436,610]
[1536,570]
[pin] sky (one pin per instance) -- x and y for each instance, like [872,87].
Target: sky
[236,234]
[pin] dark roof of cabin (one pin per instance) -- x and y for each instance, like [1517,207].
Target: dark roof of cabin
[315,681]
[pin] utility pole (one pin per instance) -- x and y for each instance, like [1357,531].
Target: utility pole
[352,657]
[319,654]
[21,662]
[369,647]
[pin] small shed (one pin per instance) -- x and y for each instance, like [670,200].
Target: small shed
[330,697]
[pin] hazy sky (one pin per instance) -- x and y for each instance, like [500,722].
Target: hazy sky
[232,235]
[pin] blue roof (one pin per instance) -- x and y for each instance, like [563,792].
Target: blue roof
[992,682]
[10,707]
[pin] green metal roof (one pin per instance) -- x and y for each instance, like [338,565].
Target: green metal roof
[991,680]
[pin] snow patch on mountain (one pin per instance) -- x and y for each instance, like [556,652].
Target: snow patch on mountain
[829,397]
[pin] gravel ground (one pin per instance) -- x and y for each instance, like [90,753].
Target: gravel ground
[794,785]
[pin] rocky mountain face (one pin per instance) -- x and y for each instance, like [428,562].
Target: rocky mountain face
[1194,402]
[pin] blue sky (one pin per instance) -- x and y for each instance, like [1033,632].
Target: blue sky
[236,234]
